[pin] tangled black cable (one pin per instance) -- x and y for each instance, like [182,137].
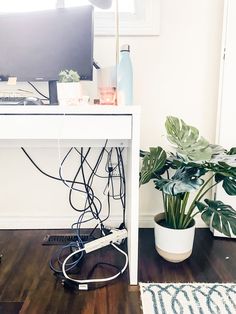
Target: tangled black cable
[92,207]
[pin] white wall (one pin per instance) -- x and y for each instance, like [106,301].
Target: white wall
[175,73]
[183,66]
[227,108]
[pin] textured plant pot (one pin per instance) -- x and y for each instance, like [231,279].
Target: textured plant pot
[174,245]
[69,93]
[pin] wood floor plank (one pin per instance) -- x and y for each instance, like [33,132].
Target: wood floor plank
[10,307]
[25,277]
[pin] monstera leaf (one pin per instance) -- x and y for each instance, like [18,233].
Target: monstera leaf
[228,178]
[222,217]
[153,161]
[186,179]
[232,151]
[143,153]
[217,150]
[225,173]
[187,140]
[224,156]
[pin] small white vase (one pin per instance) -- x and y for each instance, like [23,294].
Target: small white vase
[69,93]
[174,245]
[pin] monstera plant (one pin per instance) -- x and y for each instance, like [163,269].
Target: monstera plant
[194,166]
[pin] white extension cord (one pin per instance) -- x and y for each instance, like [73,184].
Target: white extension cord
[110,239]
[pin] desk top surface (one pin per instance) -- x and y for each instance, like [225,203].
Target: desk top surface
[83,109]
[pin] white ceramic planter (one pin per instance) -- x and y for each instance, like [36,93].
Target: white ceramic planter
[69,93]
[174,245]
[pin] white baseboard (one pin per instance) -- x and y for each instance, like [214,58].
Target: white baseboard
[49,222]
[146,221]
[36,222]
[64,222]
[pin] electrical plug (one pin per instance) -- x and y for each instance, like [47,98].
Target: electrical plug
[68,284]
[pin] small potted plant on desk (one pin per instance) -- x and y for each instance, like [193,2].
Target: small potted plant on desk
[69,90]
[176,175]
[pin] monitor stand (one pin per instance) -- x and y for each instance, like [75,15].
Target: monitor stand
[52,87]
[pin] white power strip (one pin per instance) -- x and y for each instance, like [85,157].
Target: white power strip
[116,236]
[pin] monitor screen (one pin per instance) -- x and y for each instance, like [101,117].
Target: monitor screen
[36,46]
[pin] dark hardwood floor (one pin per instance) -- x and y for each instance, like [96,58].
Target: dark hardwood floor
[27,285]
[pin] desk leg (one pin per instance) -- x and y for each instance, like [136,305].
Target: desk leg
[133,199]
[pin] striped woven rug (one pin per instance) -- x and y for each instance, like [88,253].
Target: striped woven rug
[188,298]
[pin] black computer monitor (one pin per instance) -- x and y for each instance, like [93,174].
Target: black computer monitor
[36,46]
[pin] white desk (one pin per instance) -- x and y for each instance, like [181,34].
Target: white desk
[82,126]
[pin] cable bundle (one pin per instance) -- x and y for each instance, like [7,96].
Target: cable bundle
[109,166]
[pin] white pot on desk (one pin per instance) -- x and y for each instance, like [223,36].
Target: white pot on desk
[69,93]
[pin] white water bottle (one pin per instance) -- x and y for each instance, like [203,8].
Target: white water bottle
[125,78]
